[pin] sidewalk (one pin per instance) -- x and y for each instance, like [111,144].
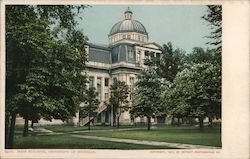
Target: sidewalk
[115,129]
[145,142]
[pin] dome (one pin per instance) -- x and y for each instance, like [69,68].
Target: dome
[128,25]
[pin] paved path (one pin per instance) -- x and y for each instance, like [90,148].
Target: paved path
[145,142]
[121,129]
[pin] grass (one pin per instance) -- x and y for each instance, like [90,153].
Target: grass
[187,135]
[68,142]
[19,128]
[70,128]
[184,134]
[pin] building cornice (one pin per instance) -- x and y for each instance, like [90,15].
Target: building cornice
[102,66]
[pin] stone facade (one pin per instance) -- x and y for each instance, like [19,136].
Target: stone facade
[121,60]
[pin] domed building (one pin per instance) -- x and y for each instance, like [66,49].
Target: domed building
[121,60]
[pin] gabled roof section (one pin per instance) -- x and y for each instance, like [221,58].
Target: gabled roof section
[100,46]
[152,45]
[99,53]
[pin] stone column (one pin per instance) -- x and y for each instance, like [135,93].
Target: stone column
[95,82]
[102,89]
[142,57]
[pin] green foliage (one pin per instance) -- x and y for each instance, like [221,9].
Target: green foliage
[199,87]
[62,18]
[170,63]
[173,104]
[91,104]
[43,72]
[200,55]
[147,95]
[118,100]
[214,18]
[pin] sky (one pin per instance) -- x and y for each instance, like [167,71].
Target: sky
[182,25]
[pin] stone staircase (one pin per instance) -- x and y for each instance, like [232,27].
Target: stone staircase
[100,109]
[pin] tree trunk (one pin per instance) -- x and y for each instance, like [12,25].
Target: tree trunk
[25,128]
[211,122]
[179,123]
[111,117]
[114,123]
[32,124]
[7,122]
[149,122]
[172,120]
[201,122]
[118,124]
[93,121]
[190,120]
[12,131]
[89,122]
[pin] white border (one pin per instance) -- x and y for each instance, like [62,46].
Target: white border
[235,89]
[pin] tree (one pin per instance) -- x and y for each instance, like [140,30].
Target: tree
[92,103]
[199,55]
[214,18]
[170,62]
[147,95]
[173,104]
[118,101]
[199,87]
[43,72]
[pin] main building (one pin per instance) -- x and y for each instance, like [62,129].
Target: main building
[121,60]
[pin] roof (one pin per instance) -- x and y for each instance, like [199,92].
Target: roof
[128,25]
[102,55]
[122,52]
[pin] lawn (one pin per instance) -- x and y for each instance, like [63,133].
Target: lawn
[68,142]
[173,134]
[70,128]
[187,135]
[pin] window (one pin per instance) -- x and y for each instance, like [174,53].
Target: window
[132,85]
[141,38]
[106,88]
[146,54]
[138,56]
[91,81]
[106,82]
[129,36]
[158,55]
[130,54]
[152,54]
[98,89]
[124,36]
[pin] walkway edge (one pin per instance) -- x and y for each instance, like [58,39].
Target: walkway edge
[145,142]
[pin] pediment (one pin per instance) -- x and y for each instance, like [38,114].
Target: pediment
[153,46]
